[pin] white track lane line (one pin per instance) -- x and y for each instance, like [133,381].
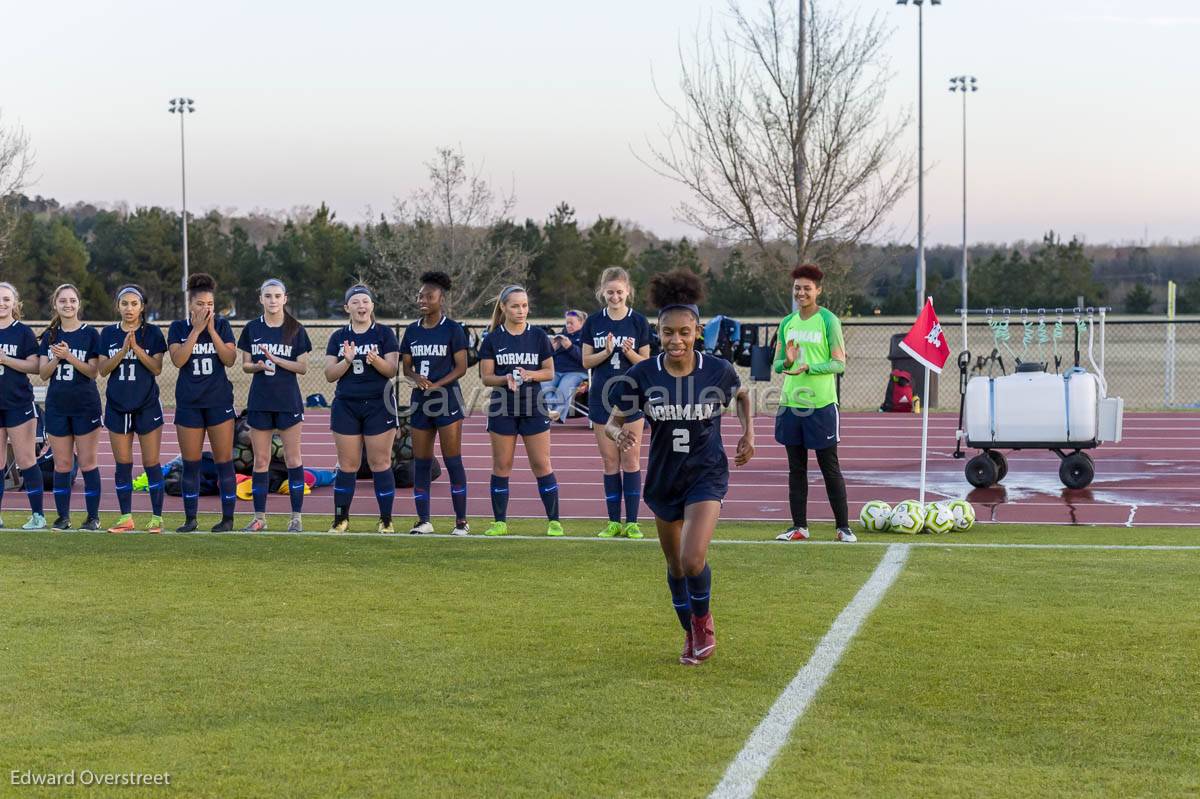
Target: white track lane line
[742,777]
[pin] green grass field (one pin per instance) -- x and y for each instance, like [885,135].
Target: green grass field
[318,666]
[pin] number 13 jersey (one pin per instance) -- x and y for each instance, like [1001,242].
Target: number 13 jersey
[202,382]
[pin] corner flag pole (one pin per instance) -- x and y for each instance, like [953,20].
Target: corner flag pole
[924,435]
[926,343]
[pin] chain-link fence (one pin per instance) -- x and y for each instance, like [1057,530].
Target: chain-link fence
[1137,360]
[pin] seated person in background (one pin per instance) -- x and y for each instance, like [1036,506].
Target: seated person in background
[568,366]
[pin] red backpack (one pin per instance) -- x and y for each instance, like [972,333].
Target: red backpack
[899,396]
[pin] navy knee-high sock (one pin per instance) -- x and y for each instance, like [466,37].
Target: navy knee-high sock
[296,488]
[154,478]
[343,492]
[91,492]
[612,496]
[191,488]
[500,498]
[3,473]
[632,486]
[62,493]
[258,491]
[458,486]
[700,591]
[124,481]
[385,492]
[32,477]
[679,598]
[548,488]
[422,468]
[227,483]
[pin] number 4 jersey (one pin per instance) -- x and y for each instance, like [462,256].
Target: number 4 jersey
[202,382]
[686,452]
[131,386]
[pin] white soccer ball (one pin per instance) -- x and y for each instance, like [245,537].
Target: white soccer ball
[907,518]
[938,518]
[964,515]
[875,516]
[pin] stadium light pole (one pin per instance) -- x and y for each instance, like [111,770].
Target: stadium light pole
[920,4]
[798,157]
[966,84]
[183,106]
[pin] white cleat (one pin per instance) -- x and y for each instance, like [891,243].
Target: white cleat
[461,529]
[793,534]
[846,535]
[423,528]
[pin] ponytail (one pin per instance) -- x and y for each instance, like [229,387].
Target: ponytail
[291,326]
[55,326]
[16,310]
[498,311]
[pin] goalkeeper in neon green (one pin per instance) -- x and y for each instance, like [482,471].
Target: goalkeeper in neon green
[810,353]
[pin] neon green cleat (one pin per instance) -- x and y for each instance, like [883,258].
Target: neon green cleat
[612,531]
[554,528]
[633,531]
[497,528]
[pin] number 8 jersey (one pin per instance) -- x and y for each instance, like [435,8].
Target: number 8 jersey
[202,382]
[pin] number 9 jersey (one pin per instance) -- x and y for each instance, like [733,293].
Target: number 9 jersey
[202,381]
[687,457]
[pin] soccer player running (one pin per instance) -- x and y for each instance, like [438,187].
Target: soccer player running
[134,350]
[434,353]
[362,358]
[513,358]
[68,356]
[810,353]
[683,393]
[18,415]
[273,347]
[615,338]
[202,348]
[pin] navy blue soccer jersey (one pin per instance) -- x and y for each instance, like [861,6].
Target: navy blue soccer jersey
[202,381]
[276,389]
[362,381]
[527,350]
[131,386]
[71,393]
[634,328]
[432,349]
[685,422]
[17,341]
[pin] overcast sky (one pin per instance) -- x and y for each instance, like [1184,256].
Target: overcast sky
[1088,120]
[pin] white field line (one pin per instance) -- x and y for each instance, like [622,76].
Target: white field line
[742,777]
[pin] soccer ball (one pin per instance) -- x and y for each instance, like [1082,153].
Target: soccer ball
[243,458]
[907,518]
[938,518]
[276,448]
[874,516]
[964,515]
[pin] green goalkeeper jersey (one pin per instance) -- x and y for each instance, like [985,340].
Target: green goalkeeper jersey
[817,336]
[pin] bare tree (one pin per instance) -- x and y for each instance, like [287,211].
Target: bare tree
[448,226]
[16,163]
[736,138]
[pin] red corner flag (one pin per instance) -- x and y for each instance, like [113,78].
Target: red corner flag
[925,341]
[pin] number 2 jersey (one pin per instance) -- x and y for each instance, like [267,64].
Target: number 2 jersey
[362,381]
[17,341]
[70,393]
[202,382]
[686,451]
[131,386]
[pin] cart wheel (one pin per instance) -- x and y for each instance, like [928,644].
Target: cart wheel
[1001,463]
[1077,470]
[981,471]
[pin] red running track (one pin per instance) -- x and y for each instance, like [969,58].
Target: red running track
[1151,478]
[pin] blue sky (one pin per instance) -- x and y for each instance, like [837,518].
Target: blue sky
[1087,120]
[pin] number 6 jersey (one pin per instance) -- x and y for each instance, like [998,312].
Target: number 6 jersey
[202,382]
[131,386]
[685,422]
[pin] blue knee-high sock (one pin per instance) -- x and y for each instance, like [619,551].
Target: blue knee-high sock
[548,488]
[191,488]
[62,493]
[700,591]
[296,488]
[91,492]
[500,498]
[385,492]
[154,478]
[227,484]
[612,496]
[124,480]
[258,490]
[679,598]
[32,477]
[3,473]
[632,484]
[458,486]
[343,492]
[422,468]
